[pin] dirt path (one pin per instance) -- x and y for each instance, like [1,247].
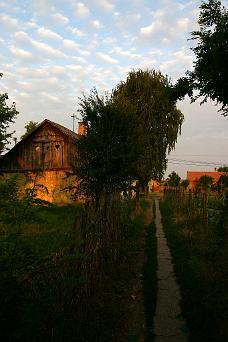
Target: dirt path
[169,325]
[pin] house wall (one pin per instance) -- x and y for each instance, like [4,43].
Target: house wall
[56,183]
[46,149]
[52,185]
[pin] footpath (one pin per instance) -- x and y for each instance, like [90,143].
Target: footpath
[169,325]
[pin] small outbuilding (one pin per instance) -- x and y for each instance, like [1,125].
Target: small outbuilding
[47,155]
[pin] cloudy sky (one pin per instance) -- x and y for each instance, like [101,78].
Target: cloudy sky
[53,50]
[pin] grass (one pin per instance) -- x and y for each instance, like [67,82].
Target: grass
[200,257]
[56,286]
[67,273]
[36,269]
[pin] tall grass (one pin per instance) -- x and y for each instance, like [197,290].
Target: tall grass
[200,253]
[63,269]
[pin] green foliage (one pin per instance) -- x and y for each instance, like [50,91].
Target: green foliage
[30,126]
[200,254]
[62,266]
[223,182]
[7,116]
[184,184]
[17,205]
[145,97]
[173,179]
[210,72]
[205,182]
[223,169]
[107,150]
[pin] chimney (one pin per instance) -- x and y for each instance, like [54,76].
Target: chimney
[81,128]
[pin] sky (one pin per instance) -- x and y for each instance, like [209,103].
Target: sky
[53,50]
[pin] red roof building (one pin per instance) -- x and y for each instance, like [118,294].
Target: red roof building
[194,176]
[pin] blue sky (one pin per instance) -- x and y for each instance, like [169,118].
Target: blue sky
[53,50]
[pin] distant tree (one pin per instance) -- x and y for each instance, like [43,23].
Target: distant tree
[205,182]
[106,152]
[223,182]
[145,98]
[184,184]
[7,116]
[210,74]
[30,126]
[173,179]
[223,169]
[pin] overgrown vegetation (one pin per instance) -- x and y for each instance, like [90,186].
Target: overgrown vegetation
[200,253]
[66,272]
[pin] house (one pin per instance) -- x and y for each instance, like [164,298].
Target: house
[154,186]
[194,176]
[47,156]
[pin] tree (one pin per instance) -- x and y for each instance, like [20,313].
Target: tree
[210,74]
[223,182]
[7,116]
[173,179]
[106,155]
[205,182]
[30,126]
[145,98]
[184,184]
[223,169]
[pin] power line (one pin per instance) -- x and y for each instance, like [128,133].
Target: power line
[204,163]
[194,164]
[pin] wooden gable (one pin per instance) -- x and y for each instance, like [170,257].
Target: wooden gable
[49,147]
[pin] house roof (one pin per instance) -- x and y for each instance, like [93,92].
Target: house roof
[193,176]
[63,129]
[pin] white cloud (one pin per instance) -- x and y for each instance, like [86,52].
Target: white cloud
[125,53]
[21,53]
[105,5]
[46,33]
[59,18]
[97,24]
[42,7]
[82,10]
[70,44]
[106,58]
[85,53]
[109,40]
[178,61]
[47,49]
[150,30]
[9,22]
[77,32]
[31,24]
[33,73]
[41,47]
[22,37]
[158,14]
[50,97]
[183,23]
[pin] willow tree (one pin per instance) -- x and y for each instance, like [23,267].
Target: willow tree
[146,96]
